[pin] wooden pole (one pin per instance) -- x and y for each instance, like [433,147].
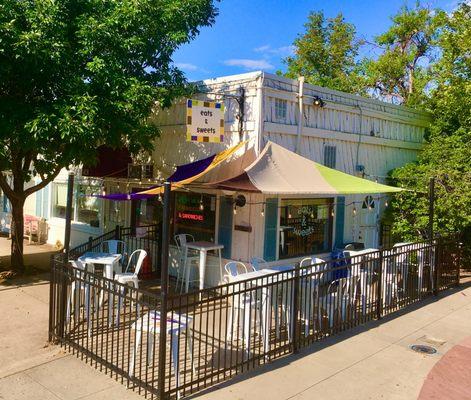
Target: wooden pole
[164,289]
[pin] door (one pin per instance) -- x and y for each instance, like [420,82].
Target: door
[368,232]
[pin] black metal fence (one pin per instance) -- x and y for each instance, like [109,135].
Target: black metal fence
[217,333]
[148,238]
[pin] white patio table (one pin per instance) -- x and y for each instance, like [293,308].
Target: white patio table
[203,248]
[108,260]
[266,277]
[359,256]
[176,325]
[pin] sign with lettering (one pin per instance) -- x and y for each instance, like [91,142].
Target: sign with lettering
[190,216]
[204,121]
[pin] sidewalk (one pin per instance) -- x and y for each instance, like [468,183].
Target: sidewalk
[370,362]
[35,254]
[32,369]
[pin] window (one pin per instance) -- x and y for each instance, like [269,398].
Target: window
[4,203]
[85,208]
[280,110]
[305,227]
[330,156]
[88,207]
[149,211]
[59,200]
[195,214]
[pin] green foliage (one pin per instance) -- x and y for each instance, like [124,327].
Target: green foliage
[401,73]
[326,54]
[447,155]
[79,74]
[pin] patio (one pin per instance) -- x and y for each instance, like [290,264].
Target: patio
[317,371]
[216,333]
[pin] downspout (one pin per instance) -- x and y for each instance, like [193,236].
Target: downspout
[261,111]
[359,137]
[300,114]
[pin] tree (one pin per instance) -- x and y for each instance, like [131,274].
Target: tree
[401,73]
[326,54]
[79,74]
[447,155]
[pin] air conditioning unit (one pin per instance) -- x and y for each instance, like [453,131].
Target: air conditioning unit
[140,171]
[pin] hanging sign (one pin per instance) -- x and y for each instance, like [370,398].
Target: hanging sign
[204,121]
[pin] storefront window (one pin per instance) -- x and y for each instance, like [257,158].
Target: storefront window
[195,214]
[305,227]
[148,212]
[59,200]
[88,207]
[85,208]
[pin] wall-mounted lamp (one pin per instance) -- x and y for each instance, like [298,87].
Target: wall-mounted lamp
[317,101]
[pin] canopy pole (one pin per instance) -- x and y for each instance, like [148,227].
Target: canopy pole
[300,114]
[164,290]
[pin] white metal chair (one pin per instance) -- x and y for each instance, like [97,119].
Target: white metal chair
[309,289]
[130,276]
[240,302]
[116,247]
[186,261]
[402,262]
[176,326]
[80,282]
[340,295]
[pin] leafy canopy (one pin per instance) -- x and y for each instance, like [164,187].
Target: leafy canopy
[447,155]
[78,74]
[401,73]
[325,54]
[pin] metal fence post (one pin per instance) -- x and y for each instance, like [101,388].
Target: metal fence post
[458,262]
[379,299]
[117,232]
[164,291]
[63,295]
[52,282]
[438,248]
[294,316]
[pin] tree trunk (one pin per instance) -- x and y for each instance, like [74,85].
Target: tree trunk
[17,235]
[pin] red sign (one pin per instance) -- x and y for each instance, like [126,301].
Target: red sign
[190,216]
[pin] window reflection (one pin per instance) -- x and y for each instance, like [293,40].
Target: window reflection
[305,227]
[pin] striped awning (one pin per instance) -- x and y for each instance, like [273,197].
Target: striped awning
[278,170]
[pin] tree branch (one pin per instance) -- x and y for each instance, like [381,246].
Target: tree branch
[43,183]
[7,189]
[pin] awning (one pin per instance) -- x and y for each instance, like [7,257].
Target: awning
[215,168]
[278,170]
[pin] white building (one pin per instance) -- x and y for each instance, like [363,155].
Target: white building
[356,135]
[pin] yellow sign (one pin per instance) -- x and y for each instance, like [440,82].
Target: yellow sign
[204,121]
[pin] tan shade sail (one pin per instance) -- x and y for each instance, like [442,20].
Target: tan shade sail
[278,170]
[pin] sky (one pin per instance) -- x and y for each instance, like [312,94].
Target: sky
[251,35]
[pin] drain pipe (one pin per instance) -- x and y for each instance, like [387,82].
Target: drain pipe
[299,131]
[261,117]
[360,133]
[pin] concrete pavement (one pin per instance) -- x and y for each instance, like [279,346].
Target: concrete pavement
[30,368]
[370,362]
